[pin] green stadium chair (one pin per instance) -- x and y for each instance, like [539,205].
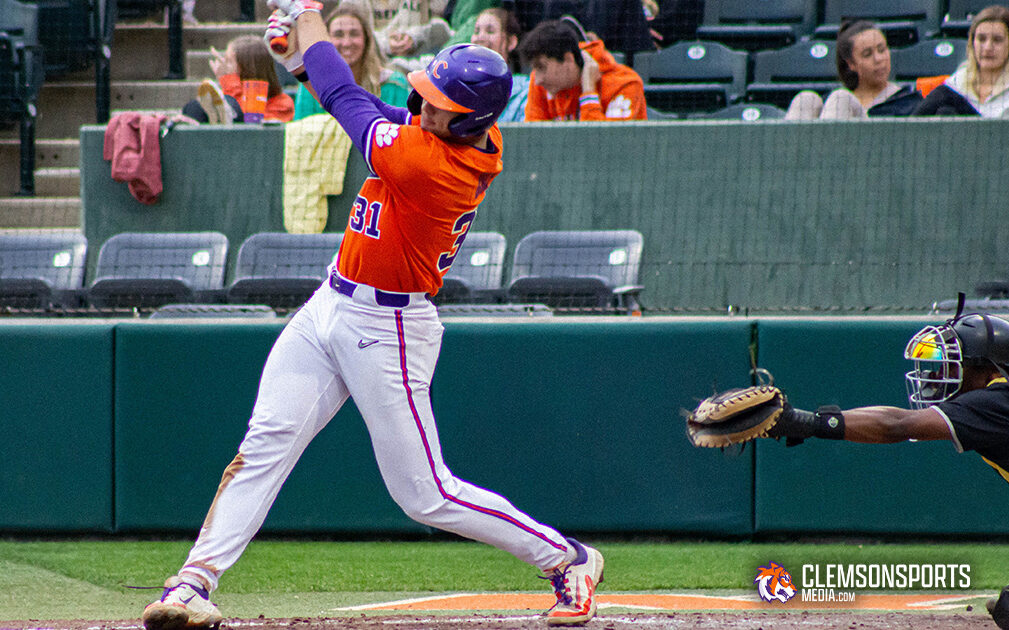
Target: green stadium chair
[751,25]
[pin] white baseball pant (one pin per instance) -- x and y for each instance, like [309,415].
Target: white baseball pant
[337,346]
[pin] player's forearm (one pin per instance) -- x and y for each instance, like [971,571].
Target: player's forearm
[334,87]
[886,425]
[874,425]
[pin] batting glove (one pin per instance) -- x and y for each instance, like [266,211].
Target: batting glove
[281,42]
[295,8]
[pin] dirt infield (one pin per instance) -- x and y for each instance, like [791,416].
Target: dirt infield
[749,620]
[617,611]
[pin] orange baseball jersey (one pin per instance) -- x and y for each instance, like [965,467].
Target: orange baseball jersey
[409,220]
[621,94]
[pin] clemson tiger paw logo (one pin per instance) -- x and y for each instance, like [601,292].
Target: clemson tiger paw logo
[774,583]
[619,107]
[385,133]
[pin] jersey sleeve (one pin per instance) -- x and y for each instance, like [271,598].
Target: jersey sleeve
[628,103]
[333,81]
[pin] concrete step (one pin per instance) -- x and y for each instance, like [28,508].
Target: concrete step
[48,154]
[40,212]
[140,51]
[65,106]
[58,182]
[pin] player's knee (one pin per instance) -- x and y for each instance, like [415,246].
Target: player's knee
[423,504]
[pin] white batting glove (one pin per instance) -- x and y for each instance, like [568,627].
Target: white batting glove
[295,8]
[281,40]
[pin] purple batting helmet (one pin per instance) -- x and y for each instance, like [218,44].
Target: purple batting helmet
[469,79]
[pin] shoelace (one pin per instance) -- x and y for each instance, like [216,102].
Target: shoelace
[559,580]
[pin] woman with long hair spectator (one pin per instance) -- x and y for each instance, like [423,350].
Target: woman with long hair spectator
[499,30]
[980,86]
[245,59]
[863,66]
[351,33]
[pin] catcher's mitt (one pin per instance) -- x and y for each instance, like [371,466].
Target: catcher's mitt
[735,416]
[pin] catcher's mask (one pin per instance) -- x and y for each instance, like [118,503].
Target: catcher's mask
[940,354]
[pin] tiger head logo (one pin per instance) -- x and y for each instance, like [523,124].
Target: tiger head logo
[774,583]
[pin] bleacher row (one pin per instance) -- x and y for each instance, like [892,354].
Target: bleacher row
[749,58]
[183,273]
[704,79]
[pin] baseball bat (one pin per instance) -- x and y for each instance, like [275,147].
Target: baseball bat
[279,44]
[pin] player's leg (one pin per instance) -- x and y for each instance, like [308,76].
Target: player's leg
[391,388]
[299,392]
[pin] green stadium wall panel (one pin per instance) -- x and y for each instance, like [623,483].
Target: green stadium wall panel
[779,216]
[578,423]
[184,395]
[822,486]
[56,401]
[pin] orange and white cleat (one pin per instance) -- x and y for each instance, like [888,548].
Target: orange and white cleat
[575,586]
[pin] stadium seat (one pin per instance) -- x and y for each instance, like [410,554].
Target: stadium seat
[578,270]
[927,58]
[752,26]
[956,22]
[39,270]
[282,270]
[778,75]
[692,76]
[904,22]
[21,76]
[145,270]
[747,112]
[476,272]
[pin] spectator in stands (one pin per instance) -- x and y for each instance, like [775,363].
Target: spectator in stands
[577,80]
[461,15]
[405,35]
[245,59]
[499,30]
[863,66]
[980,86]
[351,34]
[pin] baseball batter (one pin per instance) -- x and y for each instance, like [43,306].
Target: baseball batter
[371,331]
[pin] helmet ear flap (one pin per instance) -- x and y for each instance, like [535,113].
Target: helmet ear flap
[413,102]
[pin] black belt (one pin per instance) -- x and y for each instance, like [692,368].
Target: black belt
[382,298]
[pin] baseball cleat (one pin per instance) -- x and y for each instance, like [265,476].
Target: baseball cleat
[183,605]
[575,587]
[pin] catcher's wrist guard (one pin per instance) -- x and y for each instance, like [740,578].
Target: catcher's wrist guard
[795,425]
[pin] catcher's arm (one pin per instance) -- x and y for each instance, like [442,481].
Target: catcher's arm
[736,416]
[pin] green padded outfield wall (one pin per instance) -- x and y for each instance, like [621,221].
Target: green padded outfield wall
[577,423]
[841,487]
[778,215]
[56,421]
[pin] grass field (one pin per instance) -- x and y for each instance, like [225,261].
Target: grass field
[75,579]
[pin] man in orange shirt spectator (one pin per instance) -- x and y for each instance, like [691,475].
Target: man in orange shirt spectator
[577,80]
